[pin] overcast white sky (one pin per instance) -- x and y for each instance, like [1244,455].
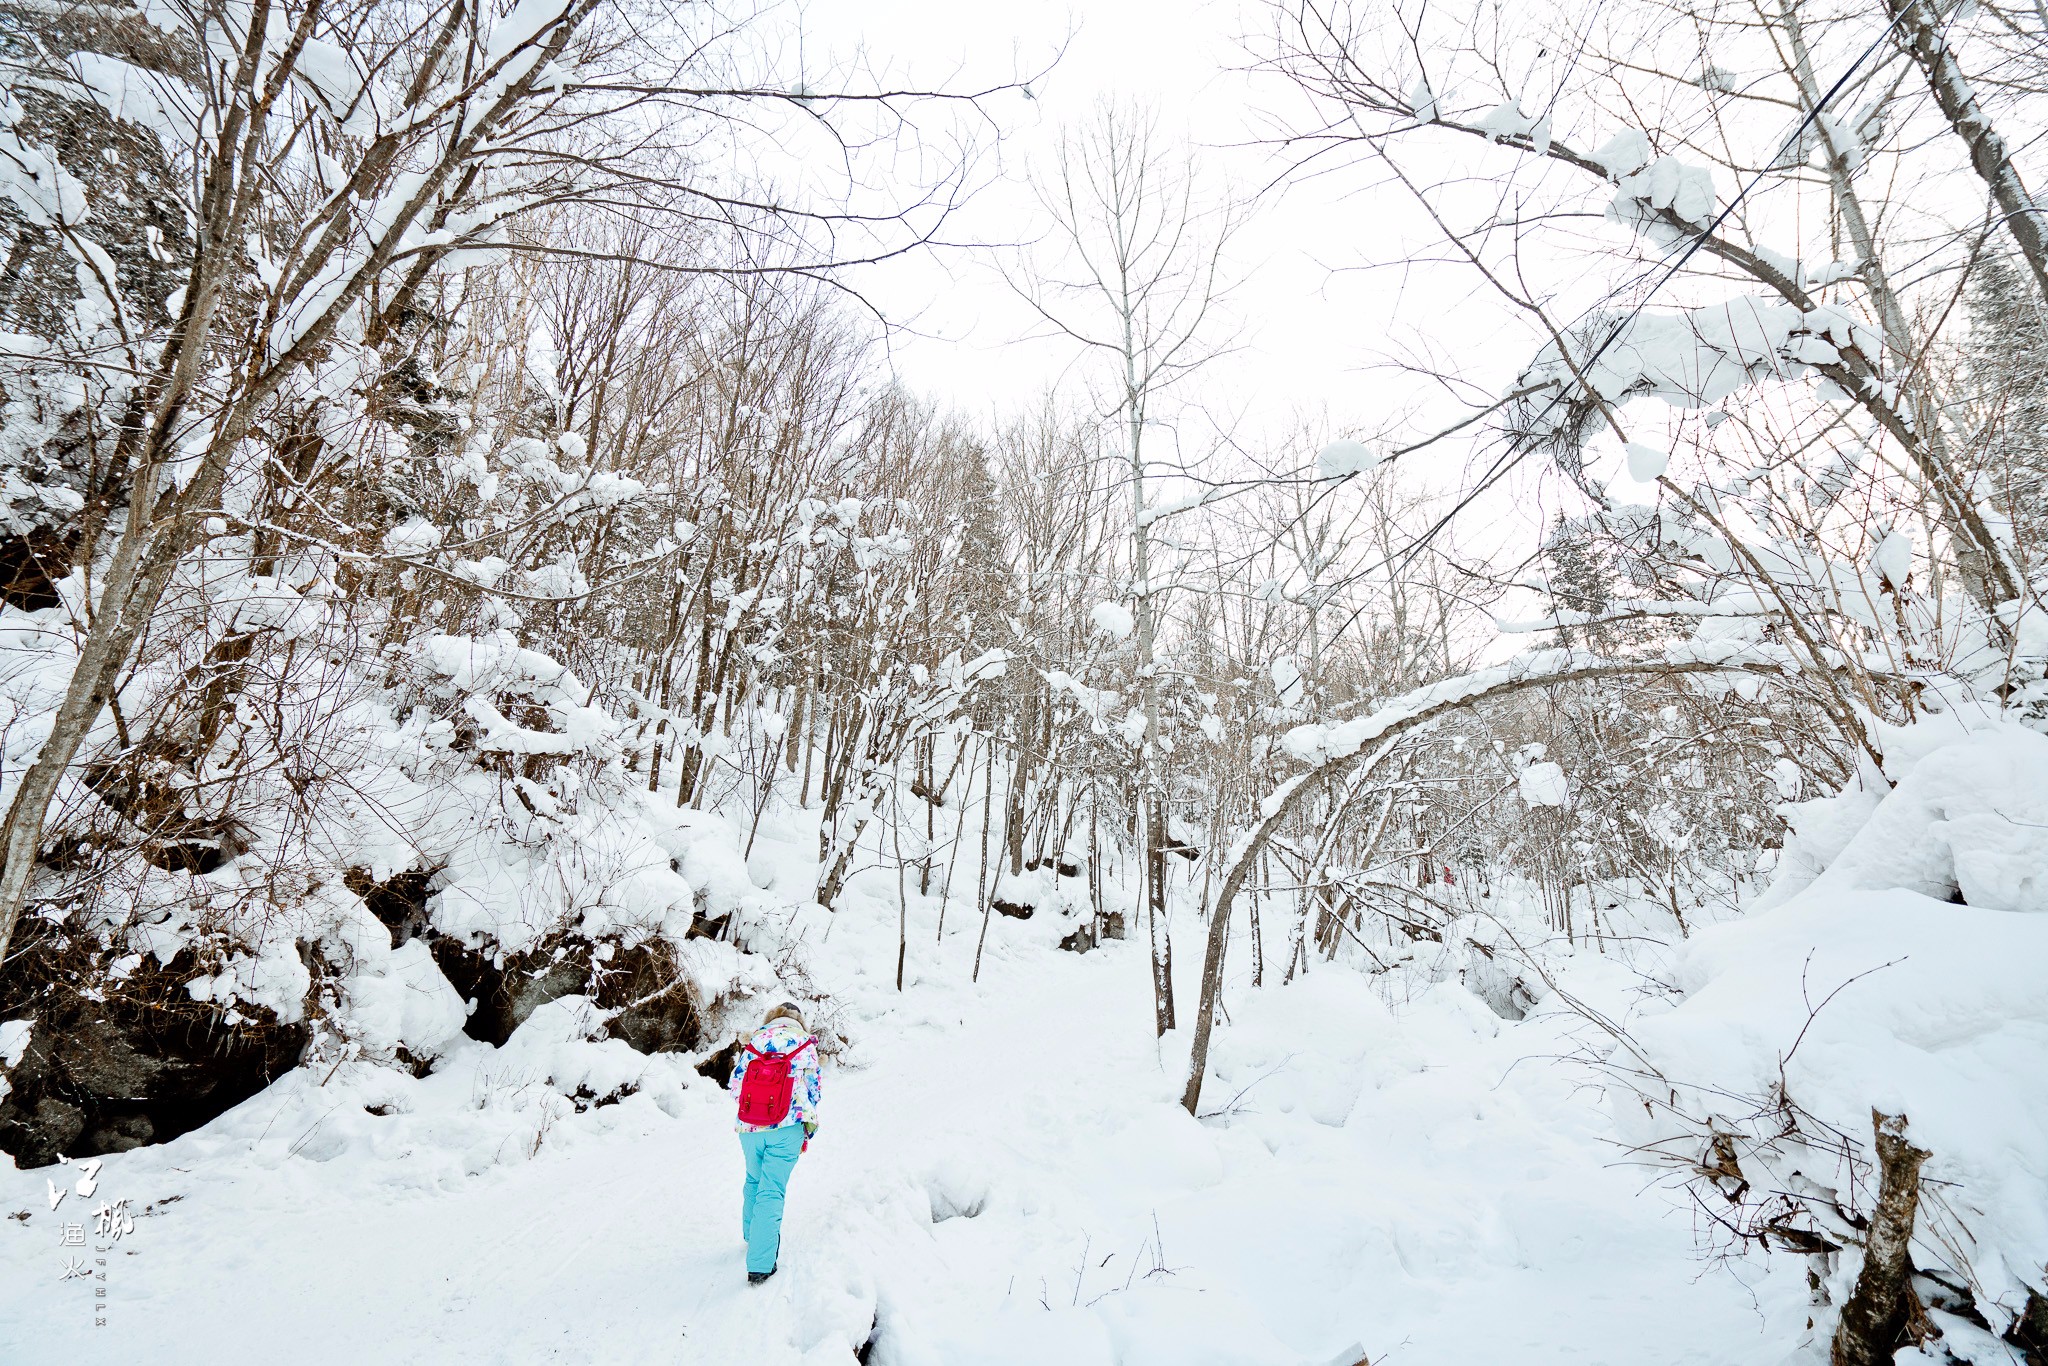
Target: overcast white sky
[1305,333]
[1312,330]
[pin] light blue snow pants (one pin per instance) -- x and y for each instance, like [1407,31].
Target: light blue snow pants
[771,1156]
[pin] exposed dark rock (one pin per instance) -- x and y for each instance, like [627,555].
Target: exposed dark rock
[1064,864]
[719,1065]
[118,1136]
[477,980]
[56,1126]
[663,1020]
[149,1063]
[146,1064]
[30,566]
[1090,933]
[2030,1333]
[585,1099]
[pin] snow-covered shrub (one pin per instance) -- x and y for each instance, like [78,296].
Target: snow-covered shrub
[1894,969]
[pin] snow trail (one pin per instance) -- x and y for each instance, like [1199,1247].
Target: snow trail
[1001,1177]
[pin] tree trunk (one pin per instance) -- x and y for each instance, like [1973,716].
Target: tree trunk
[1977,551]
[902,889]
[988,802]
[1882,1303]
[1155,916]
[931,816]
[1258,942]
[1014,812]
[1095,858]
[1920,33]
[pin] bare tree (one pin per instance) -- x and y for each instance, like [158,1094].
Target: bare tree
[338,160]
[1134,272]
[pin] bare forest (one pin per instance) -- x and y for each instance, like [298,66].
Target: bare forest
[489,605]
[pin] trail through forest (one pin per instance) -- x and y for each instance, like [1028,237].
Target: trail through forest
[1509,542]
[1001,1177]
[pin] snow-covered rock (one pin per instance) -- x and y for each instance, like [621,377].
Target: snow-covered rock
[404,1001]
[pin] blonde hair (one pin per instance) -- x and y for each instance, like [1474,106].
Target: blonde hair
[786,1011]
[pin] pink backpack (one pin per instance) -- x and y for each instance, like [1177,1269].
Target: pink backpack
[766,1088]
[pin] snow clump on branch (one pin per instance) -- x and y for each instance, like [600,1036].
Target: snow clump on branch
[1346,457]
[1666,183]
[1691,359]
[1544,784]
[1113,619]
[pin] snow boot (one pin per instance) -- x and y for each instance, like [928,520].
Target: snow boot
[756,1277]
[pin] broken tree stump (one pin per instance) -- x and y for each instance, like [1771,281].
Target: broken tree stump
[1878,1309]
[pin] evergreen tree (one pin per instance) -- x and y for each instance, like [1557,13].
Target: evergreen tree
[2007,377]
[1581,583]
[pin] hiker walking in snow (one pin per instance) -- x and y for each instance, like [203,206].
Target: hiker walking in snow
[776,1082]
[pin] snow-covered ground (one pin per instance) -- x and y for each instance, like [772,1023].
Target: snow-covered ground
[1386,1170]
[1002,1176]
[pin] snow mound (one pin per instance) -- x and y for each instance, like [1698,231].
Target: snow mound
[1970,820]
[1308,1048]
[957,1190]
[1895,967]
[1890,1000]
[404,1002]
[564,1044]
[556,1082]
[705,850]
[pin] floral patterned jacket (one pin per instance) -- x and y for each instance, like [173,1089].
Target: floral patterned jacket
[783,1036]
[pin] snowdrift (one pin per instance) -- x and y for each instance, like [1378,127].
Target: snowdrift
[1897,966]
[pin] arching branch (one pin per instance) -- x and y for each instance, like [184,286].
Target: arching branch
[1359,745]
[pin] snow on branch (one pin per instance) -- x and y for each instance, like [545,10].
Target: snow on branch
[1692,358]
[1323,746]
[1332,752]
[1742,606]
